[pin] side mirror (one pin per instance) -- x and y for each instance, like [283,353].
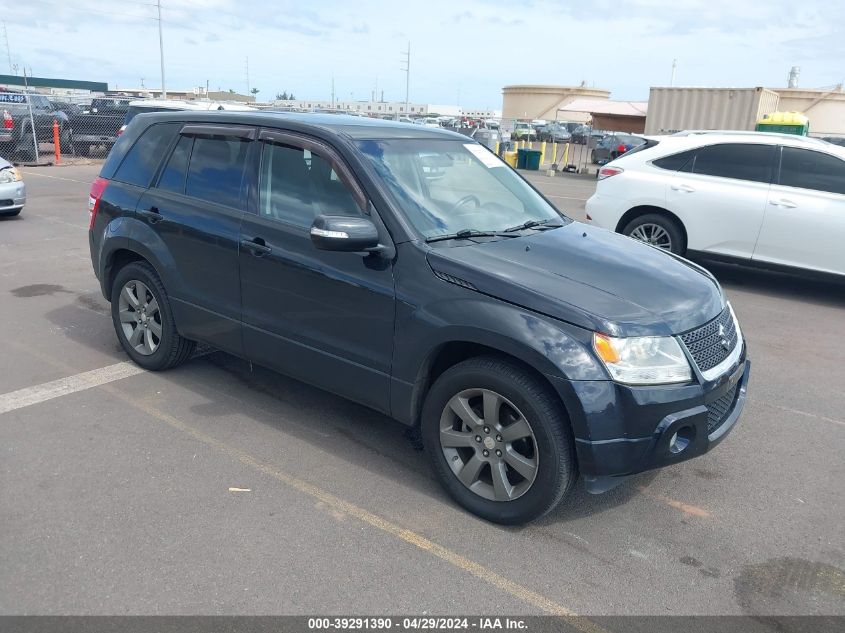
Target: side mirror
[343,233]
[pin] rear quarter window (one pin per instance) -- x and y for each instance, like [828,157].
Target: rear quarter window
[144,157]
[676,162]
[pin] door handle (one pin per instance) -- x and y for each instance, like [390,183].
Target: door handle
[783,202]
[683,187]
[257,246]
[152,214]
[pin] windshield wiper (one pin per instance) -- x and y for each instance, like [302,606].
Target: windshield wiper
[467,234]
[532,224]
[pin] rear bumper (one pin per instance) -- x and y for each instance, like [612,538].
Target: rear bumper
[620,431]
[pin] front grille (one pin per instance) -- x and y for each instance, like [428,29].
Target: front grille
[717,411]
[710,344]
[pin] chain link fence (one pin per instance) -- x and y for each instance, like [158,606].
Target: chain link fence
[40,129]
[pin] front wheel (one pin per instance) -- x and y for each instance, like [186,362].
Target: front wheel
[499,440]
[657,230]
[143,319]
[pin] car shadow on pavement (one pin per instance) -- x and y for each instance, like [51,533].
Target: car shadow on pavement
[346,430]
[779,285]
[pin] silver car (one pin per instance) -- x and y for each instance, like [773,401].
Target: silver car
[12,189]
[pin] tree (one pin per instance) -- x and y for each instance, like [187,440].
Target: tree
[255,91]
[281,96]
[291,97]
[230,90]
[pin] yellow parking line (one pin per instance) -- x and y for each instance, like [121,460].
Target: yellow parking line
[337,503]
[686,508]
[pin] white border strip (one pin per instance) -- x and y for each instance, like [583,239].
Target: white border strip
[63,386]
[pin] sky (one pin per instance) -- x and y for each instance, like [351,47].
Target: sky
[461,52]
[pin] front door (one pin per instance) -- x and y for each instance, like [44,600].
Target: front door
[805,218]
[323,317]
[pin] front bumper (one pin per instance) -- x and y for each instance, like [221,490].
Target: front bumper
[12,196]
[622,430]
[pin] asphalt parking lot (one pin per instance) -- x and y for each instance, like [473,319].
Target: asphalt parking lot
[223,488]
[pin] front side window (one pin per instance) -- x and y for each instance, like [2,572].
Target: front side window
[216,169]
[740,161]
[145,155]
[297,185]
[812,170]
[446,186]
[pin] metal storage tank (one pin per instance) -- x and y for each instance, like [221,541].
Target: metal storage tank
[674,109]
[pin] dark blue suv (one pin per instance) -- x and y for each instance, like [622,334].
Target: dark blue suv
[411,270]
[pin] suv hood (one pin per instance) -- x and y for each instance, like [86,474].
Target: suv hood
[589,277]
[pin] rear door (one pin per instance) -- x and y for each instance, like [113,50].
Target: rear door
[805,216]
[320,316]
[721,195]
[195,210]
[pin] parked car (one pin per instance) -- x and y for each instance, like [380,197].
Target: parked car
[98,125]
[608,148]
[835,140]
[148,106]
[427,122]
[774,200]
[555,133]
[585,135]
[70,109]
[12,189]
[410,270]
[523,132]
[16,133]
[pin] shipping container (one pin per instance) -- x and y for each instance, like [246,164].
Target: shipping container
[675,109]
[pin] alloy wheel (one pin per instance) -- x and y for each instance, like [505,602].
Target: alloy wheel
[489,444]
[653,234]
[140,317]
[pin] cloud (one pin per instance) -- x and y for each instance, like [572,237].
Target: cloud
[475,47]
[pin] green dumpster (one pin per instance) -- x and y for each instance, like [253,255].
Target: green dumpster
[521,157]
[532,159]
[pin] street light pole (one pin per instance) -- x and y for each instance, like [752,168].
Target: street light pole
[161,50]
[407,70]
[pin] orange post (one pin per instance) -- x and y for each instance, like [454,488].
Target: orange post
[56,142]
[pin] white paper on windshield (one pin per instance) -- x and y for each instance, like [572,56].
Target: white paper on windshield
[487,159]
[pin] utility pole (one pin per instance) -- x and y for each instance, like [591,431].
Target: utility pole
[31,117]
[161,50]
[407,70]
[672,78]
[8,50]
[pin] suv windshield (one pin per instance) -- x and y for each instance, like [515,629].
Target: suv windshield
[448,186]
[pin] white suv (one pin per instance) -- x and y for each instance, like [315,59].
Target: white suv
[772,199]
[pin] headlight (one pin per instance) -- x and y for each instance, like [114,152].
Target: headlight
[643,360]
[9,174]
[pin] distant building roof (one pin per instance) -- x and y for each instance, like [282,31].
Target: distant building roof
[48,82]
[605,106]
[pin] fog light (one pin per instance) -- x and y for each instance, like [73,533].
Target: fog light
[681,439]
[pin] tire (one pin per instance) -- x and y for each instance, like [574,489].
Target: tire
[658,230]
[159,346]
[523,399]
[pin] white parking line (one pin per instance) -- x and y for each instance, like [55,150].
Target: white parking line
[29,396]
[35,173]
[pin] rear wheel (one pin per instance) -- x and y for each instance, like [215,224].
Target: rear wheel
[499,440]
[143,319]
[657,230]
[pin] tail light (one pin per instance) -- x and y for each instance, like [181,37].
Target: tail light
[121,130]
[8,123]
[97,189]
[607,172]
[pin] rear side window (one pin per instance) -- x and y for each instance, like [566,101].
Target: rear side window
[741,161]
[676,162]
[216,169]
[173,175]
[812,170]
[143,159]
